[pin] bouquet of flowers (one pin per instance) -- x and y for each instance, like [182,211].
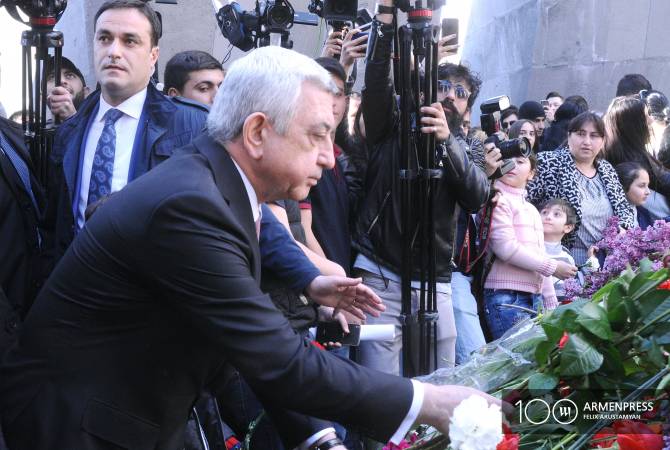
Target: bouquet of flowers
[599,349]
[623,250]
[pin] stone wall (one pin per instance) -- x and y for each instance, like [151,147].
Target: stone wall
[526,48]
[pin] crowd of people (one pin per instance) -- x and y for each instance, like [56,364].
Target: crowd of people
[161,289]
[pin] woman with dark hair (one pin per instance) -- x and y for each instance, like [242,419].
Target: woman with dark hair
[627,138]
[556,135]
[658,112]
[579,175]
[635,182]
[525,128]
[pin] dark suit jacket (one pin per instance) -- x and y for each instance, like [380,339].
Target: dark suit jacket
[21,271]
[157,292]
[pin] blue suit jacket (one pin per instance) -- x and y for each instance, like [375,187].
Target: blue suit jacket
[167,123]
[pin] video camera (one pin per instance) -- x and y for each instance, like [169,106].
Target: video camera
[249,29]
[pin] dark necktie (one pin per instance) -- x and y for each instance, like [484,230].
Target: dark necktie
[19,165]
[103,161]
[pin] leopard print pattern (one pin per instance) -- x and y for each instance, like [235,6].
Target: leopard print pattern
[556,177]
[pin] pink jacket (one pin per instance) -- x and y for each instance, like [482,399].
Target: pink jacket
[517,240]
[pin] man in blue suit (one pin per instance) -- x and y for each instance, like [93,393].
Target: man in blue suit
[146,125]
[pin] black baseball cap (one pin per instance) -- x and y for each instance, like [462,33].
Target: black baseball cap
[65,64]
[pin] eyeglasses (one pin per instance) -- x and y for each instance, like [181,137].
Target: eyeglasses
[506,125]
[445,87]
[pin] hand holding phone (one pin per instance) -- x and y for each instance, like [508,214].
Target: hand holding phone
[449,27]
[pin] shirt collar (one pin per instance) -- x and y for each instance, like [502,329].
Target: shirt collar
[253,199]
[132,106]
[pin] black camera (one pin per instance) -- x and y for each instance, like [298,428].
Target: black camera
[340,10]
[509,149]
[278,16]
[490,117]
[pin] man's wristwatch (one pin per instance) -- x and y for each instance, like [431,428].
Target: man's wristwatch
[330,443]
[383,9]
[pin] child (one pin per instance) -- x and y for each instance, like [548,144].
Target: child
[635,181]
[519,277]
[558,219]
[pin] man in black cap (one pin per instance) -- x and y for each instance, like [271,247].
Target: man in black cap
[534,112]
[63,100]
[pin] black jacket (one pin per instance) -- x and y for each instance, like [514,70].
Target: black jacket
[378,233]
[156,294]
[21,264]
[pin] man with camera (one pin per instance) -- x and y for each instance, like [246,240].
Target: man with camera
[378,234]
[65,99]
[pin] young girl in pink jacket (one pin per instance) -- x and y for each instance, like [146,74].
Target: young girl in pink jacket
[521,270]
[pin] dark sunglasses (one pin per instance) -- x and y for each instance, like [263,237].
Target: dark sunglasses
[506,125]
[445,86]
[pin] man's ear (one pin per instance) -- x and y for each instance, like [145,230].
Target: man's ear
[254,134]
[173,92]
[87,91]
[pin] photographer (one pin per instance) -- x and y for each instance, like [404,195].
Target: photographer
[378,234]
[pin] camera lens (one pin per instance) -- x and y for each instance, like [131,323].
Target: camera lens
[279,16]
[514,148]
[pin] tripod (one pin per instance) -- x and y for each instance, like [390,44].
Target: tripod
[419,182]
[39,133]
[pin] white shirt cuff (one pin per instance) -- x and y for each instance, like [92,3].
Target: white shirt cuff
[410,418]
[315,437]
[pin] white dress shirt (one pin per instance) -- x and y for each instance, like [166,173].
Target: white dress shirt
[417,398]
[126,128]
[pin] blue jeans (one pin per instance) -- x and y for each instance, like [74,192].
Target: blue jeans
[469,335]
[501,318]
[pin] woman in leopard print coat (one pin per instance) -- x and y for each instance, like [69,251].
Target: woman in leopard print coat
[570,172]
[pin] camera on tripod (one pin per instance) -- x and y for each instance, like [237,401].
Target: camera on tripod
[249,29]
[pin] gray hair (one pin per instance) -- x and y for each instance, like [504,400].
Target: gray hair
[267,80]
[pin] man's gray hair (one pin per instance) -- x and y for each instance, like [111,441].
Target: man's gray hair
[267,80]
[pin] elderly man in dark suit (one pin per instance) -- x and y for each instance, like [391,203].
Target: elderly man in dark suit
[161,290]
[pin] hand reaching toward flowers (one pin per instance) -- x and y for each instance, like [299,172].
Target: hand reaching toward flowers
[440,401]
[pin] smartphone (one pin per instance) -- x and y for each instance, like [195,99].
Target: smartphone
[332,332]
[544,103]
[450,26]
[364,31]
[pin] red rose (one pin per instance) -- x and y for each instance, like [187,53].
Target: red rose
[636,436]
[665,285]
[510,441]
[564,340]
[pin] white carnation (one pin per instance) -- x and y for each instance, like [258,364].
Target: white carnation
[475,425]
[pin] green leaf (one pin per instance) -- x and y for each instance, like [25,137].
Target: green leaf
[646,265]
[654,305]
[613,363]
[578,357]
[540,383]
[594,319]
[616,313]
[542,352]
[645,282]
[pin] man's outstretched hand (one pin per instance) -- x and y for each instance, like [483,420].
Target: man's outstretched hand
[347,294]
[439,403]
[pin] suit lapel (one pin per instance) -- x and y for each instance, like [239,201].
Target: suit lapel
[231,186]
